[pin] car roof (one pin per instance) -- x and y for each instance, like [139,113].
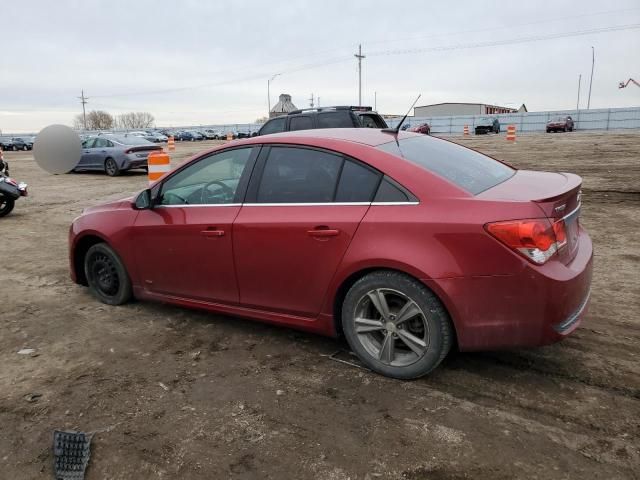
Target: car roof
[367,136]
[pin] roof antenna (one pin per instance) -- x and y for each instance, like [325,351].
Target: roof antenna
[397,129]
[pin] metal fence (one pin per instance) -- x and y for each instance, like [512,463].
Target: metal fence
[595,119]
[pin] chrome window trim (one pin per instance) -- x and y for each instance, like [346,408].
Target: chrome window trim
[317,204]
[200,205]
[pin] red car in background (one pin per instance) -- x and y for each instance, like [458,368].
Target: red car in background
[560,124]
[405,244]
[423,128]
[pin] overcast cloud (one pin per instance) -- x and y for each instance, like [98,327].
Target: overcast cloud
[196,62]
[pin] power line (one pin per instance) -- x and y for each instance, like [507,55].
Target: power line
[83,100]
[513,41]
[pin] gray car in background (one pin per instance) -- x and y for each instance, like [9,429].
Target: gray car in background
[113,154]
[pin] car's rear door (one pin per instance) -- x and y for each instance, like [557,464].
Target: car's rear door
[302,209]
[183,246]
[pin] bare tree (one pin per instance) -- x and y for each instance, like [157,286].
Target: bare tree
[261,120]
[133,120]
[96,120]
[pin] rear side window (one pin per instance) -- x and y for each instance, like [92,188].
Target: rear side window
[299,175]
[357,183]
[466,168]
[273,126]
[371,121]
[390,192]
[301,123]
[335,120]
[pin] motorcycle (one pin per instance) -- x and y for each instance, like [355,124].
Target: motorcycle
[10,190]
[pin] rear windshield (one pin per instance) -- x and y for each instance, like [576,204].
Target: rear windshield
[129,140]
[466,168]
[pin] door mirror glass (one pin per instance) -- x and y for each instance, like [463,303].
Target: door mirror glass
[143,200]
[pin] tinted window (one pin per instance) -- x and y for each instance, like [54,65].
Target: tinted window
[466,168]
[212,180]
[335,120]
[371,121]
[273,126]
[297,175]
[357,183]
[388,192]
[100,143]
[300,123]
[88,143]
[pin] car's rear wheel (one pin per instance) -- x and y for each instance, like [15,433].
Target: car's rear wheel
[395,325]
[14,148]
[25,148]
[106,275]
[6,205]
[111,167]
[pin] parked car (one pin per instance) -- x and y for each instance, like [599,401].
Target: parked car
[487,125]
[20,143]
[324,117]
[30,141]
[210,134]
[196,135]
[423,128]
[6,144]
[156,137]
[113,154]
[183,135]
[406,243]
[560,124]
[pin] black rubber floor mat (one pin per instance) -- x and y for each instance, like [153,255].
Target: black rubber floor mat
[71,452]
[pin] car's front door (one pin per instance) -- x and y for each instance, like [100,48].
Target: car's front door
[88,156]
[183,246]
[296,225]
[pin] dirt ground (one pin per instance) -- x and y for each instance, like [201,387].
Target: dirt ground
[173,393]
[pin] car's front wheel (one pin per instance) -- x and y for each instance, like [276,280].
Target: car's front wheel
[106,275]
[395,325]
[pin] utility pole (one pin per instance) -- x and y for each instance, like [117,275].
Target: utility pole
[311,101]
[83,100]
[578,102]
[269,95]
[318,101]
[375,101]
[359,56]
[593,62]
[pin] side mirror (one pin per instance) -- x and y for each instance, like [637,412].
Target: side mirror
[143,201]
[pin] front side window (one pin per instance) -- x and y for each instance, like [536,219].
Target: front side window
[273,126]
[212,180]
[299,175]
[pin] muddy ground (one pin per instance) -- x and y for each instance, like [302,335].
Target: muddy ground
[172,393]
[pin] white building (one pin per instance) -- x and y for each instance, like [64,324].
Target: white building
[453,109]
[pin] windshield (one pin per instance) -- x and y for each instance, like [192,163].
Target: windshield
[466,168]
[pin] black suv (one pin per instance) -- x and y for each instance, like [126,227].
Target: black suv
[324,117]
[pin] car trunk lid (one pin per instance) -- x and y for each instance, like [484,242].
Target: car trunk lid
[557,194]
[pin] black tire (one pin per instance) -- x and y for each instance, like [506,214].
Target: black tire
[111,167]
[14,148]
[432,320]
[25,148]
[548,130]
[6,205]
[106,275]
[565,129]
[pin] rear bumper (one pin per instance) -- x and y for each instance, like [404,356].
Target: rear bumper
[538,306]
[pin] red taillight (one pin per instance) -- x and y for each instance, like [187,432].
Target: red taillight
[536,239]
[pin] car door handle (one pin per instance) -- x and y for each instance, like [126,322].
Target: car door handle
[323,232]
[212,232]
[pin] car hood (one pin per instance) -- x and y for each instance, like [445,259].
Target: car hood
[124,203]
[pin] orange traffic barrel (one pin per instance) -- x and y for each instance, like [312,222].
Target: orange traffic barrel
[511,133]
[466,129]
[229,136]
[158,163]
[171,143]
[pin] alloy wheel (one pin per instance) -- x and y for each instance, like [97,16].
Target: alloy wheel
[391,327]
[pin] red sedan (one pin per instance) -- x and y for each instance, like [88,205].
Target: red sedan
[423,128]
[407,245]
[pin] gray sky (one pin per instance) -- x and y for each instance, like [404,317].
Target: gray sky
[197,62]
